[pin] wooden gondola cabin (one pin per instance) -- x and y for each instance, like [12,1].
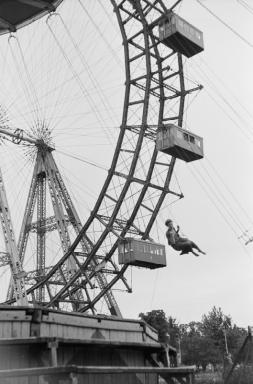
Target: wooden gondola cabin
[179,143]
[141,253]
[181,36]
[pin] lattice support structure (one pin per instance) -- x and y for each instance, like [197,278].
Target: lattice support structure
[41,241]
[138,180]
[46,173]
[11,247]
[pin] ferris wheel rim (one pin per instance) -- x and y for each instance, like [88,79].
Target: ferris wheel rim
[164,189]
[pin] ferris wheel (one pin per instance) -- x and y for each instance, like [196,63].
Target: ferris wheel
[59,89]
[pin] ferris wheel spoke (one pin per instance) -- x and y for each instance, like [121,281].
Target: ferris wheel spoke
[139,177]
[111,222]
[64,31]
[102,293]
[117,208]
[24,75]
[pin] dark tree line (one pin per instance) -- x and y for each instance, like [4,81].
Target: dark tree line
[201,343]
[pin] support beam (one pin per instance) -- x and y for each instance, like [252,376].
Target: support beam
[27,219]
[53,346]
[85,242]
[18,134]
[11,247]
[41,238]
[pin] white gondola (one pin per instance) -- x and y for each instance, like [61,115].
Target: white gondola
[180,35]
[179,143]
[141,253]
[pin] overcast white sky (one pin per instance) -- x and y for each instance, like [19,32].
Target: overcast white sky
[217,207]
[218,190]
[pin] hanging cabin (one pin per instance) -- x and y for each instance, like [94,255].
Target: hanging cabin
[179,35]
[177,142]
[15,14]
[141,253]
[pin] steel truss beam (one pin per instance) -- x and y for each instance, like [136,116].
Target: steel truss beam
[148,95]
[11,248]
[47,172]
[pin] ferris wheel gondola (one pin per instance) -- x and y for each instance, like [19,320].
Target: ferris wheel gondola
[16,14]
[139,177]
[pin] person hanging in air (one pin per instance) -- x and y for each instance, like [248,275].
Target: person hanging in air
[180,243]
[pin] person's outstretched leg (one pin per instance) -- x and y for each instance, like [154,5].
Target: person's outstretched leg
[184,251]
[198,249]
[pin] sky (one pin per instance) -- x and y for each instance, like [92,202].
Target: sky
[217,209]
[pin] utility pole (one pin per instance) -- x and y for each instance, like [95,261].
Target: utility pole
[179,355]
[226,342]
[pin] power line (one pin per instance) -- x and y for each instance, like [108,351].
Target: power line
[245,5]
[83,160]
[224,85]
[212,197]
[225,24]
[247,132]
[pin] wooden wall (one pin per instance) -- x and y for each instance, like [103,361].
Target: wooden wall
[33,337]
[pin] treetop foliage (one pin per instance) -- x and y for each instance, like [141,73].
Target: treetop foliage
[203,342]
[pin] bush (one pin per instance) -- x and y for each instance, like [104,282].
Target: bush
[208,378]
[242,375]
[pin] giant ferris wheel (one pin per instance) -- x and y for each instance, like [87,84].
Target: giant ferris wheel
[58,89]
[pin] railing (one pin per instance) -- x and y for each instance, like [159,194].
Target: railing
[74,374]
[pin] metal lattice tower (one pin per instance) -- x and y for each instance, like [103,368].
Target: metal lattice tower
[136,185]
[11,255]
[65,214]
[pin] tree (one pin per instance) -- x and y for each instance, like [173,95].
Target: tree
[218,327]
[235,338]
[173,330]
[214,323]
[158,320]
[201,342]
[192,328]
[196,348]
